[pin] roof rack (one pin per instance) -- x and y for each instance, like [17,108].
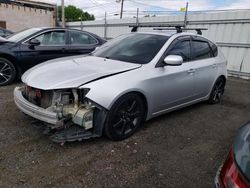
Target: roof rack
[178,28]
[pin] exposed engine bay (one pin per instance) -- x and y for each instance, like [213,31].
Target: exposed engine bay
[73,110]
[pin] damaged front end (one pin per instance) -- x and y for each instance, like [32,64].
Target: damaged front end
[67,114]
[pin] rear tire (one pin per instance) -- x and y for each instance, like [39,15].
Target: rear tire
[7,72]
[125,117]
[217,91]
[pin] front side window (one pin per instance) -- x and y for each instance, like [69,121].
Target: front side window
[134,48]
[181,48]
[78,37]
[52,38]
[21,35]
[201,50]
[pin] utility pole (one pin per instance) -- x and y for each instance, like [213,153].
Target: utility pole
[121,9]
[63,15]
[185,20]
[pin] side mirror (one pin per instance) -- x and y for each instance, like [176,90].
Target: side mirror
[173,60]
[34,42]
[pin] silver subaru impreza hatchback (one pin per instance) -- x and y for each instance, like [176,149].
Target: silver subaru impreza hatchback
[125,82]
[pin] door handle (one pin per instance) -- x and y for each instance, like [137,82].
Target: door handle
[190,71]
[63,50]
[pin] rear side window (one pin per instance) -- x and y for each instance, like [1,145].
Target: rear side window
[78,38]
[181,48]
[201,50]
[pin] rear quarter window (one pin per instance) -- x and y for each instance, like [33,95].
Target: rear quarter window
[214,49]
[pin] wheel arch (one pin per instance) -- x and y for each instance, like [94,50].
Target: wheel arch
[141,94]
[214,81]
[145,102]
[223,77]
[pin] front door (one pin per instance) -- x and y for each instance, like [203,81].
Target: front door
[52,45]
[174,85]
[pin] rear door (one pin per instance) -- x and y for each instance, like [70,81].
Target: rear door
[81,42]
[204,64]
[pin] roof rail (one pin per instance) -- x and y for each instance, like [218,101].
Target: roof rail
[178,28]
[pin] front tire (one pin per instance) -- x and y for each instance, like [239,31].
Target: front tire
[125,117]
[217,91]
[7,72]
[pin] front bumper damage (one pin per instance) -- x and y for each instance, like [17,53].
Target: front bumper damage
[61,129]
[33,110]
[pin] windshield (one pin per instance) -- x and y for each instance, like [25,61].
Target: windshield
[134,48]
[16,37]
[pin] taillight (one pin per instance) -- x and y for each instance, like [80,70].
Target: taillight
[230,175]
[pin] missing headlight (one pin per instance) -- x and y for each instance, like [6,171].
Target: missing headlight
[82,93]
[71,104]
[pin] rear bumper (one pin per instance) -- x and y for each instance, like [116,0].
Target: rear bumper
[33,110]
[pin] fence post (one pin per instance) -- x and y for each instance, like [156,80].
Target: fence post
[137,17]
[105,26]
[81,23]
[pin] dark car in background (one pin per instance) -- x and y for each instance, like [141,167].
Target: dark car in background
[5,32]
[235,173]
[30,47]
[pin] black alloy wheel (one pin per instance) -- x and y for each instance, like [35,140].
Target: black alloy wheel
[125,117]
[217,92]
[7,72]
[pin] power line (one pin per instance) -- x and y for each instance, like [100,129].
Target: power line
[90,7]
[97,4]
[144,4]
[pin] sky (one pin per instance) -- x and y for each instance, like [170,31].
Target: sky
[98,7]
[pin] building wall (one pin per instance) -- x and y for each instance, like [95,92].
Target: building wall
[229,29]
[20,17]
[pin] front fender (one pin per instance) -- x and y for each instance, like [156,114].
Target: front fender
[107,91]
[107,98]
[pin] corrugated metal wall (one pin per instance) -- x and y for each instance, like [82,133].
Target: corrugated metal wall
[229,29]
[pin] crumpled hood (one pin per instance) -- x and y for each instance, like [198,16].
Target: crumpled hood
[71,72]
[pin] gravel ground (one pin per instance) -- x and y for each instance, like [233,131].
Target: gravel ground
[180,149]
